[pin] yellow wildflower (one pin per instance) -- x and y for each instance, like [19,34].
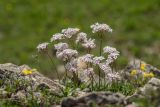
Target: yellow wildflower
[133,72]
[143,66]
[148,75]
[27,71]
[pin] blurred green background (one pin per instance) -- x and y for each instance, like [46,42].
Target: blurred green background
[26,23]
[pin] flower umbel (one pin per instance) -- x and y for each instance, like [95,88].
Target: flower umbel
[69,32]
[109,49]
[81,38]
[67,54]
[43,47]
[105,67]
[100,28]
[72,66]
[87,58]
[89,44]
[113,54]
[57,36]
[113,76]
[61,46]
[97,60]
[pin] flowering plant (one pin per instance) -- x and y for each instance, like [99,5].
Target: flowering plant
[84,67]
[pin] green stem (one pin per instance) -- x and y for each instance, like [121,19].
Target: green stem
[65,70]
[54,65]
[100,53]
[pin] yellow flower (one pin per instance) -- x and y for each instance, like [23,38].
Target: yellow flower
[133,72]
[27,71]
[148,75]
[143,66]
[151,74]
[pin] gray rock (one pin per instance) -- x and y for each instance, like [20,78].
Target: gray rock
[38,79]
[152,85]
[98,98]
[132,105]
[21,88]
[9,67]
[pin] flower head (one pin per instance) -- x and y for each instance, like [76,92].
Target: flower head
[72,66]
[133,72]
[98,60]
[89,44]
[87,58]
[61,46]
[113,54]
[109,49]
[67,54]
[105,67]
[57,36]
[69,32]
[148,75]
[112,76]
[28,71]
[143,66]
[100,28]
[43,47]
[81,38]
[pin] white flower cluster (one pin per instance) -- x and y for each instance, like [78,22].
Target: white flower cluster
[97,60]
[89,44]
[109,49]
[67,54]
[87,58]
[113,54]
[112,76]
[105,67]
[43,47]
[69,32]
[100,28]
[72,66]
[84,63]
[57,36]
[61,46]
[81,38]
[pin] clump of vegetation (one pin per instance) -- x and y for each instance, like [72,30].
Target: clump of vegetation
[84,69]
[19,89]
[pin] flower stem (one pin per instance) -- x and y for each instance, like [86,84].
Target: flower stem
[100,53]
[66,75]
[53,65]
[100,50]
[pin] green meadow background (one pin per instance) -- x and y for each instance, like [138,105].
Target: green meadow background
[26,23]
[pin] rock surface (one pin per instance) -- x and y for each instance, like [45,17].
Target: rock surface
[152,85]
[149,90]
[20,88]
[39,79]
[98,98]
[10,72]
